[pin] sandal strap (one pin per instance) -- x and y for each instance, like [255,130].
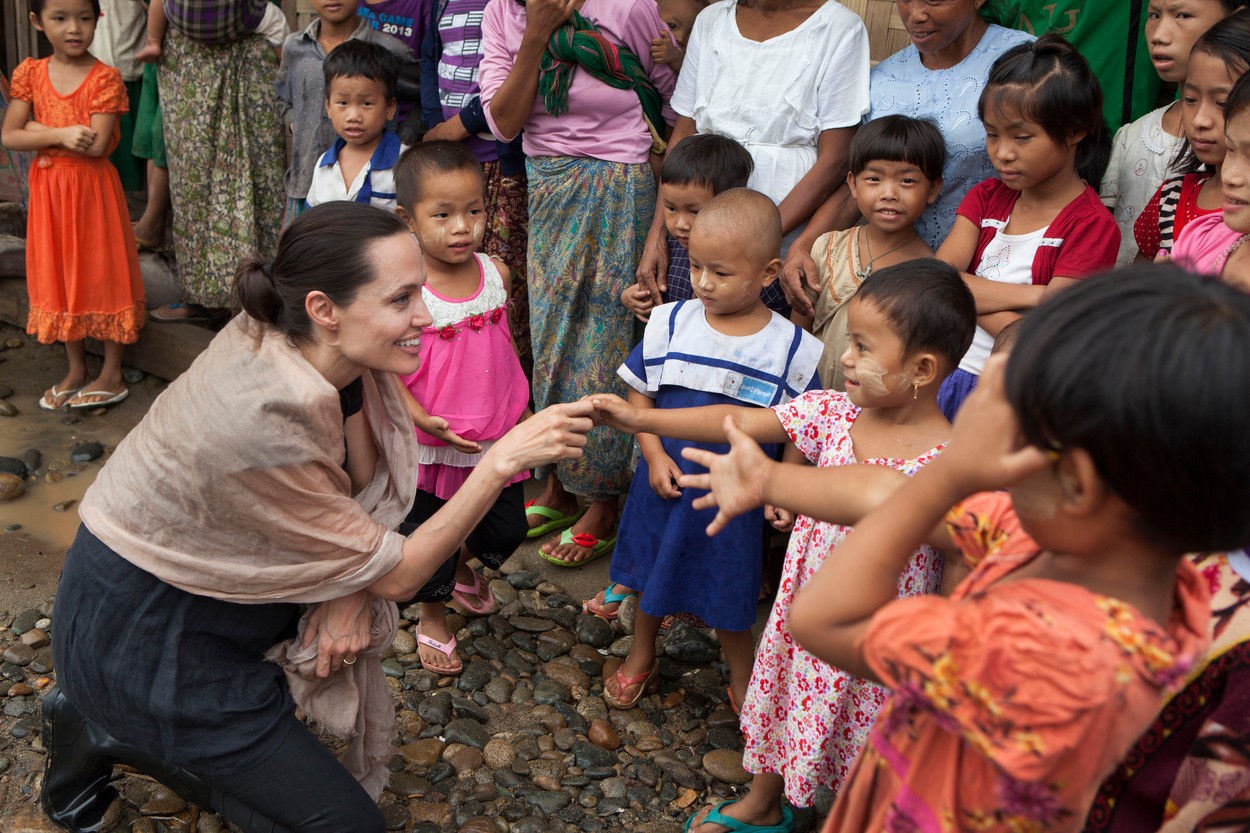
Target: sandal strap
[474,589]
[610,596]
[445,648]
[625,682]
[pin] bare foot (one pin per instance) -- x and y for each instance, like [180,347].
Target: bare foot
[433,625]
[600,521]
[741,811]
[62,391]
[555,498]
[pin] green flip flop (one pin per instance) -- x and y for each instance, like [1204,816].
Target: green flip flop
[556,519]
[598,548]
[786,825]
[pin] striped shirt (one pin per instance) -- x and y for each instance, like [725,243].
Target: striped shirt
[374,185]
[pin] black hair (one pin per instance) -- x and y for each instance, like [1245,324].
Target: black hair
[1055,88]
[358,58]
[1238,98]
[326,248]
[1006,338]
[928,305]
[1229,41]
[708,159]
[900,138]
[426,158]
[1147,369]
[36,7]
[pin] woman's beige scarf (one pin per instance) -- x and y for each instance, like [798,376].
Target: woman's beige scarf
[232,487]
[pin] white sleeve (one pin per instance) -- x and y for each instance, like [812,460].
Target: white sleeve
[273,25]
[683,100]
[842,98]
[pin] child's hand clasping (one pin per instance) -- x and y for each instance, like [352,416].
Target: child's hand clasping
[782,520]
[735,480]
[614,412]
[985,451]
[639,301]
[77,137]
[664,474]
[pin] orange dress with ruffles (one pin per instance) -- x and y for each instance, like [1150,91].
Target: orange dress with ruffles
[82,267]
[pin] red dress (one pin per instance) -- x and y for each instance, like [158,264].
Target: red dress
[82,267]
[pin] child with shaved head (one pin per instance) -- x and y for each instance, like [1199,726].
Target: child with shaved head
[721,347]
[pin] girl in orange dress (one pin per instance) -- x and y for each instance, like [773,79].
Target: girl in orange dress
[82,267]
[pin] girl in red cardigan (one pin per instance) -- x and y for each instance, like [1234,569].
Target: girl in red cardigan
[1039,225]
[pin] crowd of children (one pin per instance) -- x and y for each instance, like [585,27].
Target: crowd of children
[974,623]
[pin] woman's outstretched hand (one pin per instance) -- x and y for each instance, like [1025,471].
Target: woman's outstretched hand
[553,434]
[340,627]
[735,481]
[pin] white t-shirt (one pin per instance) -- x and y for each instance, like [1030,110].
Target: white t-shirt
[1008,258]
[775,97]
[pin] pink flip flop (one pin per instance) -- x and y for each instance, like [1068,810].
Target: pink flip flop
[469,597]
[445,648]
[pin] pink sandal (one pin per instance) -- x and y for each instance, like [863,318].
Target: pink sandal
[445,648]
[469,597]
[647,681]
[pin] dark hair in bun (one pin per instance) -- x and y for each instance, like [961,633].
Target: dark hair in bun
[325,249]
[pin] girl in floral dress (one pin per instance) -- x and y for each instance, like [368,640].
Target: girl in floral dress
[470,389]
[805,721]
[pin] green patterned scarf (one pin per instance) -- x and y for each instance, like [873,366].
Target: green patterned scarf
[579,42]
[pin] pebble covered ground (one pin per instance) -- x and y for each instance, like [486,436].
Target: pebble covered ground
[521,742]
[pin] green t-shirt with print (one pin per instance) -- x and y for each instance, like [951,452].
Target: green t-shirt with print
[1111,36]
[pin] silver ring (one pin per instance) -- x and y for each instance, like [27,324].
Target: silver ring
[351,661]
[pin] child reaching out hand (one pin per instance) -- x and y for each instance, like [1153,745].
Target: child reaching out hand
[1013,698]
[805,721]
[470,389]
[723,347]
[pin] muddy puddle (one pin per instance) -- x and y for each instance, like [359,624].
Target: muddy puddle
[49,510]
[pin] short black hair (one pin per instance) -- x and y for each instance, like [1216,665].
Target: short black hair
[1147,369]
[358,58]
[708,159]
[928,305]
[425,158]
[36,7]
[900,139]
[1051,83]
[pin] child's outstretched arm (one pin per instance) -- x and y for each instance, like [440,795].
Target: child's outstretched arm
[832,612]
[747,478]
[435,426]
[705,424]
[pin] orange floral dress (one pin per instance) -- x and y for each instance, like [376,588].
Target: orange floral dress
[82,267]
[1012,699]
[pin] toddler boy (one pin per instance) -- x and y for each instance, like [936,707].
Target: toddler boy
[697,170]
[301,88]
[360,81]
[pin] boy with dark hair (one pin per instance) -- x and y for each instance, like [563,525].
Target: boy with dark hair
[360,82]
[697,170]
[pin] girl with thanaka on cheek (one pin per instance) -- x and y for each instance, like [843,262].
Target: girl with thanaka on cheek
[805,721]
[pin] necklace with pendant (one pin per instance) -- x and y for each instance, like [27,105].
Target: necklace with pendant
[863,272]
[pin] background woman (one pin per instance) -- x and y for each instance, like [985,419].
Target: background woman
[588,139]
[256,503]
[939,77]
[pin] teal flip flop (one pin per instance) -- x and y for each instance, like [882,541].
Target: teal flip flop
[610,597]
[786,825]
[597,548]
[557,520]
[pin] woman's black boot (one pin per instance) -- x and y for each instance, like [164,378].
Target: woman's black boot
[81,755]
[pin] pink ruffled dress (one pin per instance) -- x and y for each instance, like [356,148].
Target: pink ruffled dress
[469,376]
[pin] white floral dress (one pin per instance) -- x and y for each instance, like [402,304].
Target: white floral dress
[804,719]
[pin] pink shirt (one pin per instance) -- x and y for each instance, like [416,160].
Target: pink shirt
[602,122]
[1205,244]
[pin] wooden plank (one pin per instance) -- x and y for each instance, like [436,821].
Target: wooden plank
[163,350]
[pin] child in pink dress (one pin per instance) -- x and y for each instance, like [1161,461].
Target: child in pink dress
[470,389]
